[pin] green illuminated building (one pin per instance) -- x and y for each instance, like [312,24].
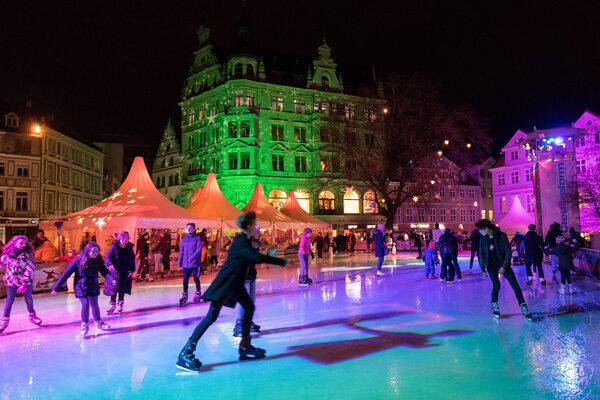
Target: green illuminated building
[256,117]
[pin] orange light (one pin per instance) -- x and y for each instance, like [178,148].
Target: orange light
[36,130]
[440,152]
[385,110]
[415,198]
[432,182]
[468,145]
[446,142]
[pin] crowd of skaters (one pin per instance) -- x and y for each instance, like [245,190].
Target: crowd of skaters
[235,282]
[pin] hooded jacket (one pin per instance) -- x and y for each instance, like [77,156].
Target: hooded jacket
[18,271]
[501,249]
[380,248]
[552,234]
[190,252]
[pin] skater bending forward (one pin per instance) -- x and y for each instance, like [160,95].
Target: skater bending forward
[496,253]
[228,289]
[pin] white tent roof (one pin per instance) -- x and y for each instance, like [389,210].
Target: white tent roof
[265,212]
[516,219]
[211,204]
[292,209]
[137,204]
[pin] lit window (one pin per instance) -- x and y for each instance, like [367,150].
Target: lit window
[276,103]
[303,199]
[239,99]
[491,214]
[325,108]
[351,203]
[369,203]
[249,99]
[300,134]
[300,106]
[324,164]
[326,200]
[503,205]
[277,198]
[483,214]
[316,107]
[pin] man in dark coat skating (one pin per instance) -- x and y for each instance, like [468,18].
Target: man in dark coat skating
[533,249]
[227,289]
[448,245]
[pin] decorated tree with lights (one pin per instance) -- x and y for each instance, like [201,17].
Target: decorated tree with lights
[394,155]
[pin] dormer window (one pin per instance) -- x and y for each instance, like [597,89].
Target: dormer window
[11,120]
[325,82]
[238,70]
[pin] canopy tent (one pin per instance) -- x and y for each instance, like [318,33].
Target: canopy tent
[137,204]
[292,209]
[211,204]
[265,212]
[516,219]
[196,195]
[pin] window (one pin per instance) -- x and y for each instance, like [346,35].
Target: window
[245,160]
[238,69]
[11,121]
[370,140]
[442,192]
[233,158]
[277,198]
[461,193]
[471,193]
[349,111]
[2,168]
[442,215]
[215,165]
[300,134]
[300,163]
[421,215]
[176,180]
[514,155]
[453,215]
[277,103]
[325,108]
[170,180]
[244,129]
[514,177]
[190,142]
[277,162]
[324,164]
[1,200]
[23,171]
[409,215]
[597,137]
[432,217]
[491,214]
[503,205]
[529,203]
[351,202]
[250,99]
[483,215]
[300,106]
[501,179]
[581,168]
[303,199]
[326,200]
[369,203]
[21,201]
[239,99]
[580,141]
[232,130]
[472,215]
[277,132]
[452,192]
[316,107]
[463,215]
[529,175]
[325,82]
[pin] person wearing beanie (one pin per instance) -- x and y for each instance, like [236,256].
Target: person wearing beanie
[380,247]
[495,253]
[303,251]
[227,289]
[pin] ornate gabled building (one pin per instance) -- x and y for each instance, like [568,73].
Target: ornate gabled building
[252,116]
[166,170]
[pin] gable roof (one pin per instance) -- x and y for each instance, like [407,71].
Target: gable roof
[265,212]
[292,209]
[584,118]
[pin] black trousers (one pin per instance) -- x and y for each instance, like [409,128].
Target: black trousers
[512,280]
[166,261]
[187,272]
[420,251]
[473,252]
[213,313]
[565,276]
[144,267]
[86,303]
[537,267]
[449,260]
[320,252]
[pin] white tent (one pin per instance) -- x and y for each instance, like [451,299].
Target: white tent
[516,219]
[137,204]
[265,212]
[210,203]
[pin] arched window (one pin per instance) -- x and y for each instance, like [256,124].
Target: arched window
[351,202]
[277,198]
[249,70]
[325,81]
[238,70]
[326,200]
[303,199]
[369,203]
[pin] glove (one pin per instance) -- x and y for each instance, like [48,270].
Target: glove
[22,289]
[502,270]
[312,255]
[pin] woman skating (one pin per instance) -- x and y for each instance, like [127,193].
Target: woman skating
[18,265]
[121,264]
[228,289]
[86,268]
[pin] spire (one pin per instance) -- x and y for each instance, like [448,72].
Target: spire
[308,77]
[242,30]
[261,70]
[325,75]
[340,79]
[169,132]
[380,91]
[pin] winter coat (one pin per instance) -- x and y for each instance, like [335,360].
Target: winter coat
[164,245]
[418,240]
[517,239]
[380,248]
[318,242]
[474,239]
[229,282]
[448,244]
[430,257]
[304,247]
[501,249]
[352,239]
[577,237]
[190,252]
[551,236]
[564,254]
[123,260]
[86,279]
[533,246]
[142,247]
[436,234]
[18,270]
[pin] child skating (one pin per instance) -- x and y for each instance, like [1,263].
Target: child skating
[430,259]
[564,254]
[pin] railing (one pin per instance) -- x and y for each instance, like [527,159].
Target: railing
[587,261]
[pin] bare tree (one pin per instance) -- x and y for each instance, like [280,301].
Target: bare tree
[388,150]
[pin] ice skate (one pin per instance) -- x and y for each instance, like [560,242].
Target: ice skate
[495,309]
[529,280]
[570,289]
[197,298]
[149,278]
[249,352]
[186,360]
[237,329]
[102,325]
[34,319]
[120,305]
[525,311]
[85,328]
[303,281]
[4,324]
[183,299]
[561,289]
[310,281]
[380,273]
[254,328]
[111,308]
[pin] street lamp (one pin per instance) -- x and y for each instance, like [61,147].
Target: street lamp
[446,142]
[468,145]
[36,130]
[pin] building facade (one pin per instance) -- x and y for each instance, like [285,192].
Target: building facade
[166,169]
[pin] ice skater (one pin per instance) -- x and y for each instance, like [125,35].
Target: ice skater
[228,289]
[250,285]
[19,268]
[430,259]
[121,264]
[533,251]
[380,247]
[448,245]
[86,267]
[495,253]
[190,259]
[142,250]
[564,255]
[303,251]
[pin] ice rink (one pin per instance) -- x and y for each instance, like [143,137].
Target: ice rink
[351,335]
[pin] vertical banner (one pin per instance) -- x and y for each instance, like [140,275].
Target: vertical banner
[557,196]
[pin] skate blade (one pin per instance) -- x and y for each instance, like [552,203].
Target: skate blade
[249,357]
[187,369]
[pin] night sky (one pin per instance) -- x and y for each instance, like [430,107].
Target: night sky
[116,68]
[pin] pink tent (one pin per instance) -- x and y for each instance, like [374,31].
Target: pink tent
[137,204]
[292,209]
[265,212]
[211,204]
[516,219]
[196,195]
